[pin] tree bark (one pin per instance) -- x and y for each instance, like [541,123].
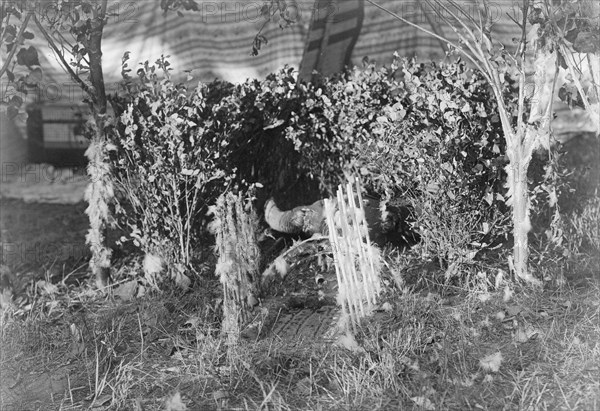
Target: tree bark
[521,222]
[519,153]
[100,190]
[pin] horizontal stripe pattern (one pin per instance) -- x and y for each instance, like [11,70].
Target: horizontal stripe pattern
[382,34]
[216,42]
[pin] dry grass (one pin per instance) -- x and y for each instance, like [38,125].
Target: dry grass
[71,348]
[65,347]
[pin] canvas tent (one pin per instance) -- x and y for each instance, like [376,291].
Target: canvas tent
[215,42]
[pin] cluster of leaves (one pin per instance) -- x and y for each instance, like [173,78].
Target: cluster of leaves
[436,146]
[572,24]
[20,63]
[177,150]
[420,135]
[165,161]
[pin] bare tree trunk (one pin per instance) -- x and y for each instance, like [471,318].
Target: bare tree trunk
[520,203]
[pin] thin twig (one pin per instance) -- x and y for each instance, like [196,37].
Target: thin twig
[141,337]
[410,23]
[454,15]
[267,21]
[471,43]
[70,45]
[464,13]
[476,56]
[66,65]
[437,30]
[522,48]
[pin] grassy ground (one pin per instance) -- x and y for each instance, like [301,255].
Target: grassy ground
[40,240]
[482,346]
[539,350]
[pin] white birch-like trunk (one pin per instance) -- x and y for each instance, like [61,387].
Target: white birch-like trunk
[521,143]
[517,170]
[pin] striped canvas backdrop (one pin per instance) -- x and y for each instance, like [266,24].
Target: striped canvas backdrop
[216,41]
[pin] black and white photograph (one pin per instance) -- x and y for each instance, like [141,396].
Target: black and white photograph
[312,205]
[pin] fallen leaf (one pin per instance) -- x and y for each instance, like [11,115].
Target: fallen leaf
[76,333]
[182,280]
[348,342]
[508,293]
[468,381]
[414,366]
[520,335]
[387,307]
[252,300]
[484,297]
[491,362]
[513,310]
[46,287]
[432,297]
[499,279]
[424,403]
[126,291]
[51,305]
[524,334]
[141,291]
[174,403]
